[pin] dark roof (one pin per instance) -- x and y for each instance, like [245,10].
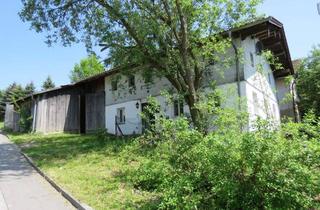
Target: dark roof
[268,30]
[98,76]
[62,87]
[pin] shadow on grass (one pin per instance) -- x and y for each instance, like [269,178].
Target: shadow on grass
[52,148]
[151,204]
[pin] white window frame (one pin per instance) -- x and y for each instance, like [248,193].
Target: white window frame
[121,115]
[178,108]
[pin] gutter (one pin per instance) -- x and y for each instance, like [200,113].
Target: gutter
[294,102]
[236,51]
[35,114]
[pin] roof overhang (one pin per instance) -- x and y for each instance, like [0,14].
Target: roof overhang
[73,85]
[271,33]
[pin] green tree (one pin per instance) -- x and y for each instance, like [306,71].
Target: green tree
[30,88]
[172,39]
[231,168]
[86,68]
[48,84]
[308,83]
[12,93]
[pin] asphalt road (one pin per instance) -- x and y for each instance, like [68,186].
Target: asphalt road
[21,187]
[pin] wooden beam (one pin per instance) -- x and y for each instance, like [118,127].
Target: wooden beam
[280,54]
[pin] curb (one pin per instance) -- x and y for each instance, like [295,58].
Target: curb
[64,193]
[77,204]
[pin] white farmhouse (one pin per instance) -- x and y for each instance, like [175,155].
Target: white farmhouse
[114,101]
[253,79]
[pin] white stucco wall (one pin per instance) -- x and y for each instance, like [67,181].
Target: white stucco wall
[127,99]
[230,96]
[259,80]
[253,80]
[284,95]
[133,121]
[133,124]
[224,71]
[141,90]
[282,90]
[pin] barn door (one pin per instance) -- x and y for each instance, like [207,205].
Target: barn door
[95,111]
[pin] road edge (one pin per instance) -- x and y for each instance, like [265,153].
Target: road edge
[77,204]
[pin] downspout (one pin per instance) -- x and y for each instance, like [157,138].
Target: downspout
[35,112]
[294,103]
[236,51]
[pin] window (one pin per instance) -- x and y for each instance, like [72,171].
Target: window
[255,103]
[121,118]
[269,78]
[259,48]
[252,59]
[131,81]
[114,85]
[178,107]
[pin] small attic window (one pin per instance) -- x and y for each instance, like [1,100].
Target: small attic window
[114,85]
[131,81]
[259,48]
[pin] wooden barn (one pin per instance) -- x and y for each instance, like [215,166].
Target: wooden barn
[77,108]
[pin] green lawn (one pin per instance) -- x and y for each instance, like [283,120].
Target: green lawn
[95,170]
[1,125]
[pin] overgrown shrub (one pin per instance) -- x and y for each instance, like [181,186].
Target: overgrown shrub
[25,121]
[230,168]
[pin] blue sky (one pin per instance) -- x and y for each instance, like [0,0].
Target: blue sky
[24,56]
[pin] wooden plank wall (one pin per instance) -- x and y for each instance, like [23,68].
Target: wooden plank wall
[16,119]
[57,113]
[95,111]
[8,117]
[11,120]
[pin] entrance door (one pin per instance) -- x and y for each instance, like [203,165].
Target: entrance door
[95,111]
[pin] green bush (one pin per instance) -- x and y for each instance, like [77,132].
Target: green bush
[230,168]
[25,121]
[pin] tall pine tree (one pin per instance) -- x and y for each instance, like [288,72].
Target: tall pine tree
[48,84]
[30,88]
